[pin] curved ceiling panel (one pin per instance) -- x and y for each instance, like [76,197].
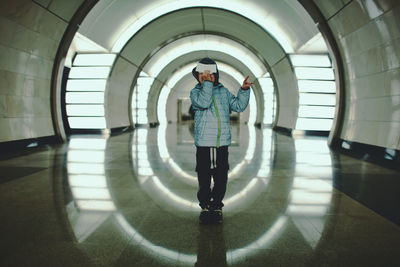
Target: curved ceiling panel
[189,22]
[191,58]
[159,32]
[209,43]
[285,20]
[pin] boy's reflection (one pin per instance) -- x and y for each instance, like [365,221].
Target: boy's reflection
[211,247]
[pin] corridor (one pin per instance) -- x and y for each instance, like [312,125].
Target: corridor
[97,151]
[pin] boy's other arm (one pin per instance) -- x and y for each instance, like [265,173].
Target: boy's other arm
[239,103]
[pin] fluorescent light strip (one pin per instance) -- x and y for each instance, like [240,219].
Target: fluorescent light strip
[87,85]
[85,110]
[306,73]
[89,72]
[84,97]
[317,99]
[94,60]
[310,86]
[87,122]
[310,61]
[316,112]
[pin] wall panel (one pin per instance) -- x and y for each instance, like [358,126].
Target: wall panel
[368,35]
[117,103]
[29,38]
[288,96]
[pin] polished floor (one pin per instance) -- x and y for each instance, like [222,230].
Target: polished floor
[130,200]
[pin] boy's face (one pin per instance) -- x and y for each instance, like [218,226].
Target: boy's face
[206,76]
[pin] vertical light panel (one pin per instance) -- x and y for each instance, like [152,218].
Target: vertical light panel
[139,98]
[316,82]
[267,87]
[85,90]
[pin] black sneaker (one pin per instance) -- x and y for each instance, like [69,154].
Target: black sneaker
[204,216]
[216,216]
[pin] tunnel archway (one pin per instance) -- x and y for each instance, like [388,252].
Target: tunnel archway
[146,64]
[183,50]
[287,99]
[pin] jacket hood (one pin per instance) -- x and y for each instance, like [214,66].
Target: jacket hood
[203,63]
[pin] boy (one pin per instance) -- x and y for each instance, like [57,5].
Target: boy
[212,104]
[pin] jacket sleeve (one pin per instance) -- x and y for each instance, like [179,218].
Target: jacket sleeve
[202,97]
[240,102]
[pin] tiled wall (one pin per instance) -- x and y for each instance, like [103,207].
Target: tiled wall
[117,103]
[30,34]
[368,35]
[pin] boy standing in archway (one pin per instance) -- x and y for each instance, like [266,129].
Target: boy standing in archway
[212,104]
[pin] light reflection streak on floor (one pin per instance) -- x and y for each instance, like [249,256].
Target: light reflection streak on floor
[233,173]
[181,203]
[87,181]
[88,186]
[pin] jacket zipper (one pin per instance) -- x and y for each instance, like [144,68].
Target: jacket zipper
[219,122]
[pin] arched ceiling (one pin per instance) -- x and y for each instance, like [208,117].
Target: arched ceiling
[153,25]
[183,23]
[185,59]
[209,43]
[265,30]
[111,23]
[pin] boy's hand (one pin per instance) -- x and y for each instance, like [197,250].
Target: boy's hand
[246,85]
[205,76]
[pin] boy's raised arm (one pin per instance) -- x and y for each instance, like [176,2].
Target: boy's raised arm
[202,97]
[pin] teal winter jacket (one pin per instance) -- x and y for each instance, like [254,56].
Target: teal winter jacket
[212,105]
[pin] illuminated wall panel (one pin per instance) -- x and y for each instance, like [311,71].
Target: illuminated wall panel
[139,98]
[85,90]
[267,86]
[317,99]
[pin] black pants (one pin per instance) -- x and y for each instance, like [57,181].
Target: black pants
[212,162]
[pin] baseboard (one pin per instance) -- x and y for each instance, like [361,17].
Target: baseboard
[310,133]
[386,157]
[120,130]
[283,130]
[18,147]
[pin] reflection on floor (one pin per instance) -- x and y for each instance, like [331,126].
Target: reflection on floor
[131,200]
